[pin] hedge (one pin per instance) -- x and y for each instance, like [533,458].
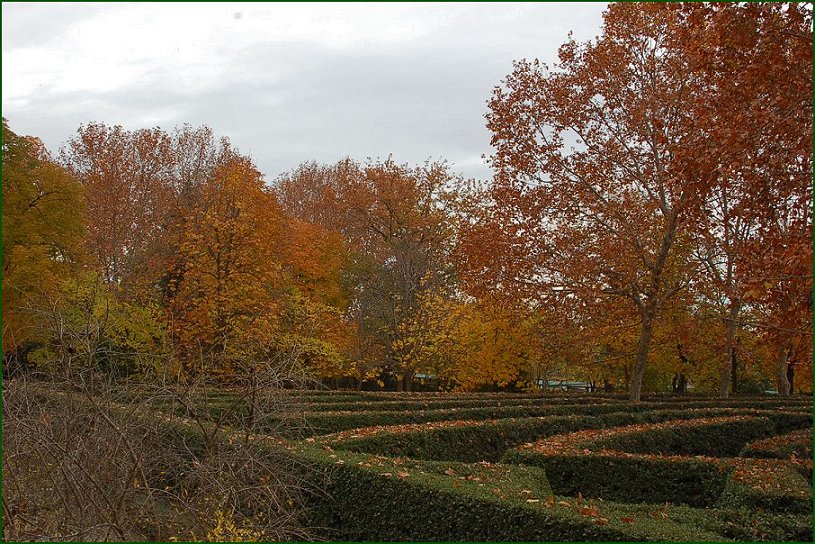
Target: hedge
[796,444]
[630,478]
[591,463]
[757,525]
[487,440]
[444,404]
[331,422]
[768,485]
[374,502]
[722,439]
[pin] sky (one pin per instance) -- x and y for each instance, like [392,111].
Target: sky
[287,83]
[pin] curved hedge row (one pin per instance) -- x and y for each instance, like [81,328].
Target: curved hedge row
[377,498]
[623,466]
[331,422]
[796,444]
[487,440]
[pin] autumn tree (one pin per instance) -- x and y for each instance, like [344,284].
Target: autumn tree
[140,185]
[587,196]
[395,221]
[753,131]
[228,275]
[313,192]
[127,181]
[314,324]
[43,232]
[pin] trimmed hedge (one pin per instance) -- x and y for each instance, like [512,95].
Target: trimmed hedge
[768,486]
[755,525]
[445,404]
[488,440]
[611,464]
[724,439]
[796,444]
[630,478]
[365,504]
[331,422]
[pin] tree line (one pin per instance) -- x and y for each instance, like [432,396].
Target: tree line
[649,224]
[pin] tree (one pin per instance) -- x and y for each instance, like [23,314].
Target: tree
[228,276]
[397,225]
[140,186]
[43,231]
[127,181]
[314,323]
[400,220]
[587,193]
[755,129]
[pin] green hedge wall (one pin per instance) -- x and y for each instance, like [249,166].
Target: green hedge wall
[725,439]
[779,488]
[331,422]
[630,479]
[797,443]
[361,504]
[754,525]
[446,404]
[686,480]
[488,441]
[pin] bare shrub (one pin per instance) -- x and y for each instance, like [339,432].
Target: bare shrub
[90,459]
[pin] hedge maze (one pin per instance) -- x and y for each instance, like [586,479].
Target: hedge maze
[484,467]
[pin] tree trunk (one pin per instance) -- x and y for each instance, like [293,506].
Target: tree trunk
[791,377]
[643,348]
[734,364]
[782,383]
[407,381]
[724,381]
[727,381]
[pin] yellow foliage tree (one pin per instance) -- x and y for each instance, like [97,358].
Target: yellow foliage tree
[43,228]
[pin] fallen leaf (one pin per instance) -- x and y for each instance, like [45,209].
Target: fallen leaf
[589,511]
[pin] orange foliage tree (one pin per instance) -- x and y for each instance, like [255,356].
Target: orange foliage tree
[396,224]
[228,273]
[642,147]
[127,181]
[587,199]
[753,132]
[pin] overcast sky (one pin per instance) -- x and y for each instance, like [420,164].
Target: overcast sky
[286,82]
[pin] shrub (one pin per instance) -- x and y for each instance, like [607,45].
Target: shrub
[591,463]
[445,404]
[375,502]
[630,478]
[767,485]
[723,438]
[797,444]
[331,422]
[82,463]
[487,440]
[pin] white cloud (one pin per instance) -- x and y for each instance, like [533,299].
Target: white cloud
[291,82]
